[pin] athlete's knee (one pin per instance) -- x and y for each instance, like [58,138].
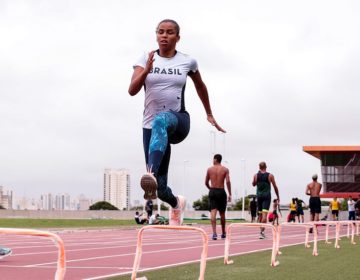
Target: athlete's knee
[159,120]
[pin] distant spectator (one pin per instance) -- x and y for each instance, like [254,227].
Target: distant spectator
[292,215]
[334,207]
[299,209]
[149,208]
[154,219]
[253,208]
[351,208]
[139,220]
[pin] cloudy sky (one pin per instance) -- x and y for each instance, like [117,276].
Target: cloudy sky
[280,74]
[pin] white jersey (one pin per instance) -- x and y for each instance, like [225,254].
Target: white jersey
[351,205]
[165,84]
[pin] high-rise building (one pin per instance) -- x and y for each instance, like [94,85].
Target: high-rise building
[5,199]
[47,201]
[117,187]
[62,201]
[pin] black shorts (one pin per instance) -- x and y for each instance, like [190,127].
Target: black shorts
[264,203]
[335,212]
[299,211]
[315,205]
[218,199]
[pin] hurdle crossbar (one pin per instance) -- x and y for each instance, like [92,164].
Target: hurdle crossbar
[61,266]
[307,226]
[273,262]
[166,227]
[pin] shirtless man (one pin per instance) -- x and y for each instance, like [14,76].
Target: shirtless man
[313,189]
[218,199]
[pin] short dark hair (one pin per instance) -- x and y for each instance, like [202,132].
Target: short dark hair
[218,158]
[262,165]
[177,26]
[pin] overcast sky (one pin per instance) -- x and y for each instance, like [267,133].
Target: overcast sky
[280,74]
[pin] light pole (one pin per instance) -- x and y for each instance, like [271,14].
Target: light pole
[243,193]
[213,142]
[184,173]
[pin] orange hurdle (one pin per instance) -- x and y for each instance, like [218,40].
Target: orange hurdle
[307,227]
[273,262]
[139,247]
[61,267]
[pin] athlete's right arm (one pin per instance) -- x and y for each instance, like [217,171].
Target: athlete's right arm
[207,179]
[140,74]
[254,180]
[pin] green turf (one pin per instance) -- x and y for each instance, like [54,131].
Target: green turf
[296,263]
[63,223]
[72,223]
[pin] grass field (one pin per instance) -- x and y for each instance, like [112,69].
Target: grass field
[69,223]
[296,263]
[63,223]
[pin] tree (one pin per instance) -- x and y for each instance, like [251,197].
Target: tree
[103,205]
[238,204]
[202,204]
[162,207]
[2,207]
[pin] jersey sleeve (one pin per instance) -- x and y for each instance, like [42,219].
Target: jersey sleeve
[141,60]
[193,65]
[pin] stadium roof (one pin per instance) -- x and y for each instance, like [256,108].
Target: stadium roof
[317,150]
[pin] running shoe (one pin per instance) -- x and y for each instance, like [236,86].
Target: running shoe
[149,184]
[177,214]
[5,252]
[262,235]
[223,236]
[214,236]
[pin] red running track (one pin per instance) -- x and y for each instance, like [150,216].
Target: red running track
[100,253]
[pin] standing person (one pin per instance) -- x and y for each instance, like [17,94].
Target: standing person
[218,199]
[253,208]
[300,210]
[351,208]
[149,208]
[276,212]
[313,189]
[334,207]
[293,212]
[5,252]
[163,74]
[263,181]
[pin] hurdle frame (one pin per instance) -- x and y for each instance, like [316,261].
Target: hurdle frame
[61,264]
[307,227]
[273,261]
[138,254]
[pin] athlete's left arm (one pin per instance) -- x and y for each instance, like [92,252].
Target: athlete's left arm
[228,184]
[272,180]
[202,92]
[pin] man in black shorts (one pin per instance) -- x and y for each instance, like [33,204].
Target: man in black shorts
[263,181]
[313,189]
[218,199]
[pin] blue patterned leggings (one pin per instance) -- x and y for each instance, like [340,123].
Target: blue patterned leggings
[167,128]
